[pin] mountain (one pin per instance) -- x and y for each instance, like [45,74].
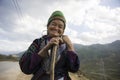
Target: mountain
[19,54]
[100,62]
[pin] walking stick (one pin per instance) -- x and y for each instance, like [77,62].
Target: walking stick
[52,66]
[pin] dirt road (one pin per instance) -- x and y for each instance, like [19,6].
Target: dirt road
[11,71]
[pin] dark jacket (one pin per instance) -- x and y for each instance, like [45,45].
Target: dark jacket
[31,62]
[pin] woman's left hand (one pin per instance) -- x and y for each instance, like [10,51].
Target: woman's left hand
[68,42]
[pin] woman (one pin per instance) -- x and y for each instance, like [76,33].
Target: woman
[36,60]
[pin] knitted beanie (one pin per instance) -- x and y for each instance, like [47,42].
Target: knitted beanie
[57,15]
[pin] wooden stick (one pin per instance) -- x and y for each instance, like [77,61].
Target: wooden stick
[52,66]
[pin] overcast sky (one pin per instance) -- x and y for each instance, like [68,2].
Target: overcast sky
[88,21]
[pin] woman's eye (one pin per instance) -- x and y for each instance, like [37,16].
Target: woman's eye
[53,24]
[61,26]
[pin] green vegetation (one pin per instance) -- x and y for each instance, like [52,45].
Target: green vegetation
[8,58]
[100,62]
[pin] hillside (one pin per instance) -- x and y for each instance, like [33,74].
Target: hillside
[100,62]
[8,58]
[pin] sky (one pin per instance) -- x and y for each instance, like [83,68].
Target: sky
[88,21]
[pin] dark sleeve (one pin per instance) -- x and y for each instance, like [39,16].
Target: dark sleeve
[30,59]
[73,62]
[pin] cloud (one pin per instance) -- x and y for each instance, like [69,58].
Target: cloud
[110,3]
[104,26]
[13,46]
[88,21]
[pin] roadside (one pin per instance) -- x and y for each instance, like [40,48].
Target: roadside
[10,71]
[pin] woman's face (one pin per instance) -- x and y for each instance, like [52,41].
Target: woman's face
[55,28]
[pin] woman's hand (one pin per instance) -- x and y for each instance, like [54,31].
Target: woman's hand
[55,41]
[68,43]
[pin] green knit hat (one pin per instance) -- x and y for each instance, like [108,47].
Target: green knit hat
[57,15]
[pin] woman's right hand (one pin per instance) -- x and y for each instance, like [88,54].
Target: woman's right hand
[55,41]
